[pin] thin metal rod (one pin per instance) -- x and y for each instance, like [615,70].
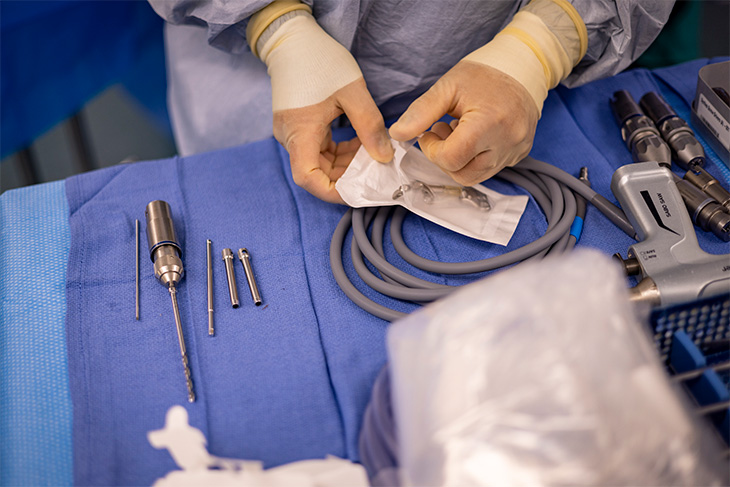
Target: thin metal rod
[136,276]
[209,248]
[181,341]
[693,374]
[714,408]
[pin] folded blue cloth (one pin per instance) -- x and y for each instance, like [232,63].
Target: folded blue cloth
[35,404]
[288,380]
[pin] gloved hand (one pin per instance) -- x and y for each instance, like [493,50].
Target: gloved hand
[496,94]
[314,80]
[494,127]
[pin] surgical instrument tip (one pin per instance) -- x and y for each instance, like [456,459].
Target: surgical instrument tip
[245,259]
[136,266]
[583,175]
[181,342]
[209,250]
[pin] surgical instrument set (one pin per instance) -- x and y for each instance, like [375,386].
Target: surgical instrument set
[671,136]
[165,253]
[686,149]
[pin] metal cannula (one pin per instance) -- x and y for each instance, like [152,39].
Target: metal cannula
[231,276]
[245,259]
[165,253]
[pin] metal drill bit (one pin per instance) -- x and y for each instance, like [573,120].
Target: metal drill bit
[211,328]
[245,259]
[181,341]
[136,261]
[231,276]
[165,252]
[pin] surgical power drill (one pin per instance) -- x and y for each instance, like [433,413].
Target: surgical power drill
[165,253]
[667,257]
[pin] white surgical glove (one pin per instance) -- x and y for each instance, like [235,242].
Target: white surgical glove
[314,80]
[496,93]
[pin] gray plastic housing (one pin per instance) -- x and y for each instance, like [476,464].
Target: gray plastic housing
[667,249]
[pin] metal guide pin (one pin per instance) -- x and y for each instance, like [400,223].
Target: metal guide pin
[136,276]
[245,259]
[231,276]
[211,328]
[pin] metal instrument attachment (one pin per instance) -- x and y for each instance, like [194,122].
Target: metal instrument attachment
[231,276]
[638,131]
[429,193]
[245,259]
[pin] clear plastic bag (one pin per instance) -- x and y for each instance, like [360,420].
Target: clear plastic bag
[541,375]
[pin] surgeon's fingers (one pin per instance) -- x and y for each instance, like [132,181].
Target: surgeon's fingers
[366,119]
[343,154]
[452,151]
[479,169]
[306,135]
[311,169]
[424,111]
[347,147]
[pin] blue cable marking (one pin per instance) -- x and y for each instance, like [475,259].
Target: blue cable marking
[576,228]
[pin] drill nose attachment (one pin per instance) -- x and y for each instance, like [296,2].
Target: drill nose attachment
[638,131]
[165,252]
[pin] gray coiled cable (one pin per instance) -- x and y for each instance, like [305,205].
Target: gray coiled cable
[555,192]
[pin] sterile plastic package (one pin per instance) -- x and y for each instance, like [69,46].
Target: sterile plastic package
[541,375]
[412,181]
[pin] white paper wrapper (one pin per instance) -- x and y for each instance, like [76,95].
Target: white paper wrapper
[367,182]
